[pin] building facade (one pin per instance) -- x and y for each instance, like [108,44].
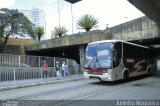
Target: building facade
[37,17]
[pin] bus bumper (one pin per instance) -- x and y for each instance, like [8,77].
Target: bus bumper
[98,77]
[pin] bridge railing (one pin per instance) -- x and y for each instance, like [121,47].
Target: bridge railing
[21,73]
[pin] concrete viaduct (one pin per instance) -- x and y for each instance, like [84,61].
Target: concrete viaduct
[144,30]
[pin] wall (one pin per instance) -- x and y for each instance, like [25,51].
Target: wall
[18,41]
[70,40]
[13,49]
[16,45]
[141,28]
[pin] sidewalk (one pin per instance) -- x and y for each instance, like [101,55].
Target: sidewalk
[33,82]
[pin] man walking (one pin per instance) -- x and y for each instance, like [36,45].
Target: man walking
[45,69]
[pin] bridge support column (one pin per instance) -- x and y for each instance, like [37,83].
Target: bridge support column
[82,57]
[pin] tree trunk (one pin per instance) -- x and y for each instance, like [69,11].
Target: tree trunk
[39,38]
[3,45]
[88,29]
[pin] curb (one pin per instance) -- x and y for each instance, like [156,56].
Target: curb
[38,83]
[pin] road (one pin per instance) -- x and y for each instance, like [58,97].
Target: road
[146,88]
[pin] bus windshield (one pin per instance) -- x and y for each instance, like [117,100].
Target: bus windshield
[99,55]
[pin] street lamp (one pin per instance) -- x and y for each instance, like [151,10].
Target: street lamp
[126,18]
[72,2]
[58,4]
[59,13]
[72,17]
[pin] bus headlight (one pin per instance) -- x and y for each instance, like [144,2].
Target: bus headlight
[105,73]
[109,78]
[87,70]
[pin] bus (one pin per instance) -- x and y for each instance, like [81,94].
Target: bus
[111,60]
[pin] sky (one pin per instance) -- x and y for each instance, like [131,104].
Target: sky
[107,12]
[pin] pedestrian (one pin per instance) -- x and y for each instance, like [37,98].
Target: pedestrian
[63,69]
[76,68]
[45,69]
[66,69]
[58,73]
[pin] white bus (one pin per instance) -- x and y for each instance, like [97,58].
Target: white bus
[112,60]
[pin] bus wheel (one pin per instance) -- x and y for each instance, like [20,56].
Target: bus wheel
[125,76]
[148,73]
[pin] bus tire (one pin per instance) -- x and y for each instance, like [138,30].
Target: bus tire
[125,76]
[148,73]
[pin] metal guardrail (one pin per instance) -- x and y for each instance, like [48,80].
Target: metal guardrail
[24,73]
[9,60]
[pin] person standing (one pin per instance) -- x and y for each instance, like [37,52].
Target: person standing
[66,70]
[58,73]
[76,68]
[63,69]
[45,68]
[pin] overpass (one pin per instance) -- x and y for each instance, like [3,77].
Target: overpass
[70,46]
[150,8]
[142,30]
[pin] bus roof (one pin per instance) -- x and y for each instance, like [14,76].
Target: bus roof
[103,41]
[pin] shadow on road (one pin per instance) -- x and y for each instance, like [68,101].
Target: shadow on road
[120,81]
[157,74]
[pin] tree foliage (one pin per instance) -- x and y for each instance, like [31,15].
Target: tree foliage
[87,22]
[59,31]
[13,23]
[39,31]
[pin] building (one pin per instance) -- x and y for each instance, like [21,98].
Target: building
[37,17]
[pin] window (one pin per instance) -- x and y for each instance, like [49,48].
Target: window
[117,54]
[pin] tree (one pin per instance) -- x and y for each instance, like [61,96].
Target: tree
[87,22]
[13,23]
[59,31]
[39,31]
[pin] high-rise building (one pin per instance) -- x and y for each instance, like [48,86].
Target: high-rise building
[37,17]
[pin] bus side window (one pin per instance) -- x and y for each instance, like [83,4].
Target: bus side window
[126,51]
[117,52]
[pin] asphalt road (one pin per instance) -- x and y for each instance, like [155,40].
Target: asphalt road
[84,92]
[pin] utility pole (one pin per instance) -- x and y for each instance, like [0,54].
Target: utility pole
[72,17]
[72,2]
[59,13]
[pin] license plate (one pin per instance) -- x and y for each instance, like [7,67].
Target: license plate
[92,77]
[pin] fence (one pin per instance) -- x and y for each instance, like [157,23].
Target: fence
[22,67]
[7,60]
[20,73]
